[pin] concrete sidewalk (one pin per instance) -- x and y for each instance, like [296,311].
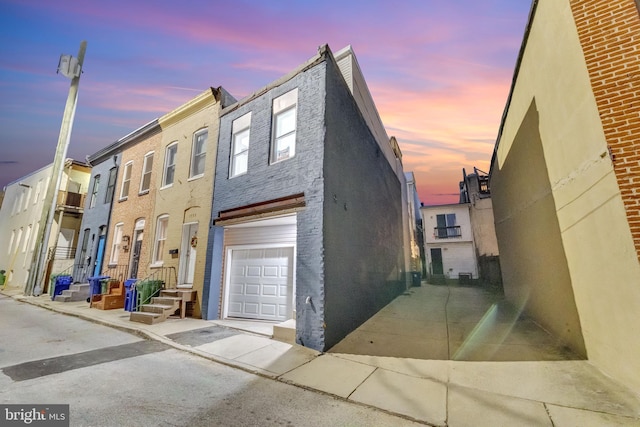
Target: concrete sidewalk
[435,392]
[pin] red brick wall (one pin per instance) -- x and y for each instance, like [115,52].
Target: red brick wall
[609,32]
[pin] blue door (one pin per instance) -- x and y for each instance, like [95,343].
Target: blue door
[98,269]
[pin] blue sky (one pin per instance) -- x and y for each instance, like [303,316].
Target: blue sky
[439,71]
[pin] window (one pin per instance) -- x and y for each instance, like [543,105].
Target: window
[240,130]
[35,237]
[85,245]
[446,226]
[126,180]
[38,189]
[283,145]
[161,237]
[26,202]
[111,185]
[18,239]
[170,164]
[147,166]
[27,236]
[115,245]
[94,192]
[13,236]
[198,153]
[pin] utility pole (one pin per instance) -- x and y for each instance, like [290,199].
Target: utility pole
[71,68]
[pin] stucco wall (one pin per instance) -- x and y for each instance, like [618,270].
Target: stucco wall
[363,218]
[583,210]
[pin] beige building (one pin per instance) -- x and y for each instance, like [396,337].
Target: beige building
[182,211]
[20,227]
[127,250]
[565,180]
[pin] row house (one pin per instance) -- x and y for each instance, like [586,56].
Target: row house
[565,180]
[20,223]
[308,206]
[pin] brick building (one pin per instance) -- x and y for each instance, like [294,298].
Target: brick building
[565,179]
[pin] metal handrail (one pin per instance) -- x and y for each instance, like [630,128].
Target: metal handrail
[168,278]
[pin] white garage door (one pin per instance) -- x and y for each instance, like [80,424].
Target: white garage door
[261,283]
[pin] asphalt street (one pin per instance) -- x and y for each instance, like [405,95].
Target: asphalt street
[113,378]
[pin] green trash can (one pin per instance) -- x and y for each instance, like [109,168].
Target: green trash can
[3,278]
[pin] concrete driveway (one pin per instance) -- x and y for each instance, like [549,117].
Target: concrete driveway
[443,322]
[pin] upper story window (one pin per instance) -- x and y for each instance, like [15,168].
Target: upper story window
[126,180]
[27,236]
[283,144]
[38,190]
[170,164]
[94,191]
[446,226]
[26,202]
[147,166]
[13,236]
[198,153]
[111,185]
[240,130]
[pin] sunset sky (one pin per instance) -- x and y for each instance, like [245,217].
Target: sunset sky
[439,71]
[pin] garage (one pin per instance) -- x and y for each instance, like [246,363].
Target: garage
[260,269]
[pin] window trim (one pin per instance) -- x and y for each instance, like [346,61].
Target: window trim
[94,191]
[144,172]
[196,134]
[166,166]
[283,104]
[116,243]
[239,126]
[157,259]
[127,167]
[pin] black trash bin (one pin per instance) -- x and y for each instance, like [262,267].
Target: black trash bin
[415,278]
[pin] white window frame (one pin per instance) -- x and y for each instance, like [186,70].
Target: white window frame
[146,171]
[38,190]
[94,191]
[26,202]
[282,106]
[35,236]
[165,170]
[240,128]
[13,238]
[115,245]
[126,180]
[201,156]
[162,226]
[18,239]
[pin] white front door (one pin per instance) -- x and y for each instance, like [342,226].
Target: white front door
[188,254]
[260,283]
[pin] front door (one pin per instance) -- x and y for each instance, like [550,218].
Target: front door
[135,254]
[188,254]
[99,255]
[436,261]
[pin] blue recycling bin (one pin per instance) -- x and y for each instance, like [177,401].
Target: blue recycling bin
[95,285]
[61,283]
[131,295]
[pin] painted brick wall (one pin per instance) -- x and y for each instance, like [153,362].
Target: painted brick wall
[609,32]
[302,173]
[363,231]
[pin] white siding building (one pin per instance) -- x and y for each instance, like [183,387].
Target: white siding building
[449,244]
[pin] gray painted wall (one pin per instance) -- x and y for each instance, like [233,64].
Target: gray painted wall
[94,218]
[363,243]
[349,235]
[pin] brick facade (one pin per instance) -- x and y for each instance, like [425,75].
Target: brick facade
[609,32]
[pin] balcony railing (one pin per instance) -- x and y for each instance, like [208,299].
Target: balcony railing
[69,200]
[64,252]
[447,232]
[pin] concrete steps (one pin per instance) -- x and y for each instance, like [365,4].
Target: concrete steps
[285,331]
[160,309]
[76,292]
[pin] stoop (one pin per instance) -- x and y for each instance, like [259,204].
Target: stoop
[285,331]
